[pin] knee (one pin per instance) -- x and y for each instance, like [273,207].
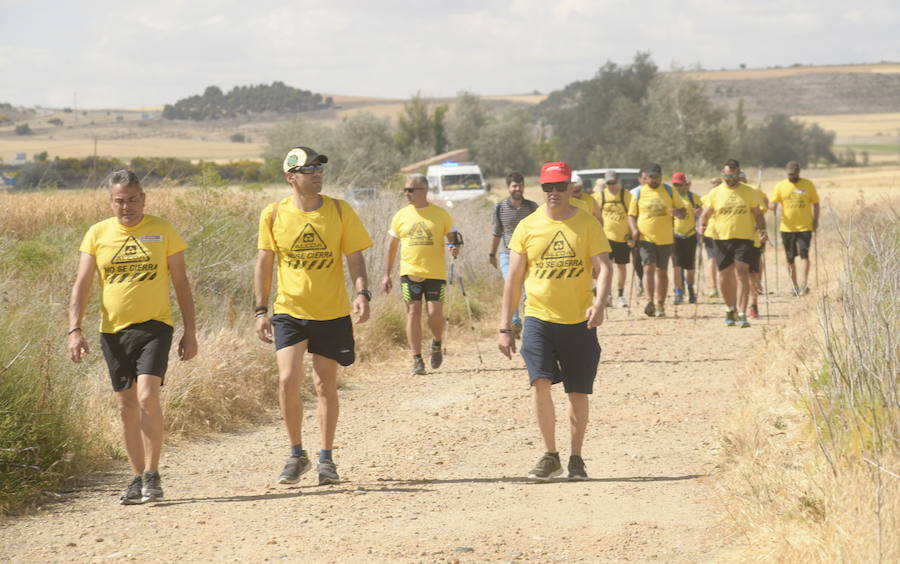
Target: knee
[128,409]
[148,400]
[288,382]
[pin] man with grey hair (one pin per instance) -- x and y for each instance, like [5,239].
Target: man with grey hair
[420,229]
[135,255]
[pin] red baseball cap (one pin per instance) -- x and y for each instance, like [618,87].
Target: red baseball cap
[555,172]
[679,178]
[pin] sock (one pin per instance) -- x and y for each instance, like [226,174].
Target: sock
[435,343]
[621,292]
[324,455]
[297,450]
[691,288]
[554,454]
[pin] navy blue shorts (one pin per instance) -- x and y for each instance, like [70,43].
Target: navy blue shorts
[142,348]
[332,338]
[561,353]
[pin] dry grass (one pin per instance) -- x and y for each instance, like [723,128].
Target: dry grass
[812,452]
[126,149]
[749,74]
[884,125]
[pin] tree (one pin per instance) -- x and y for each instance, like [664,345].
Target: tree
[507,143]
[23,129]
[466,120]
[419,132]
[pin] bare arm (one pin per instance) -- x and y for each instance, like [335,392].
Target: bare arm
[704,219]
[187,347]
[512,290]
[495,244]
[262,286]
[760,224]
[81,291]
[632,224]
[451,239]
[356,264]
[603,267]
[389,254]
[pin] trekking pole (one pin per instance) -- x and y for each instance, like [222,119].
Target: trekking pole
[766,283]
[447,309]
[631,290]
[462,288]
[775,254]
[816,252]
[698,277]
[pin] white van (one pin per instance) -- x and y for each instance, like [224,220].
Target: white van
[451,181]
[628,177]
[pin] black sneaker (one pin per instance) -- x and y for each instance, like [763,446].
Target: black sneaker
[576,468]
[152,489]
[328,473]
[418,368]
[133,495]
[547,467]
[437,355]
[650,310]
[293,468]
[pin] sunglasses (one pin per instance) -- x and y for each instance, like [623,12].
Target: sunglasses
[558,186]
[308,169]
[612,182]
[731,176]
[411,190]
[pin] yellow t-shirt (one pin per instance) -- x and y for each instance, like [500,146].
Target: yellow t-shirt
[711,224]
[421,232]
[590,205]
[310,248]
[615,213]
[687,227]
[134,270]
[797,200]
[558,275]
[757,242]
[733,211]
[654,222]
[579,203]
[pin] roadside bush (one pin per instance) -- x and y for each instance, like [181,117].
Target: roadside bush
[23,129]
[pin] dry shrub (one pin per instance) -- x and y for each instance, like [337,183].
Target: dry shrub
[812,452]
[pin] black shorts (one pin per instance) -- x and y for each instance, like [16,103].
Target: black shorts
[710,246]
[621,252]
[754,260]
[651,253]
[686,253]
[730,250]
[796,243]
[561,353]
[332,338]
[431,289]
[142,348]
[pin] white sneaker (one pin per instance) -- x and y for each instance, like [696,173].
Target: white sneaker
[621,302]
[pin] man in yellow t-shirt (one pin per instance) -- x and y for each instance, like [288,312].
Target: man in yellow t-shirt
[134,255]
[735,207]
[684,264]
[757,264]
[309,234]
[708,238]
[613,201]
[650,217]
[554,251]
[582,199]
[420,230]
[798,221]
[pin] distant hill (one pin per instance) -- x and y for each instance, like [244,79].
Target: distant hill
[244,101]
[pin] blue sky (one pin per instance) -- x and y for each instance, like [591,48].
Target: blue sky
[127,54]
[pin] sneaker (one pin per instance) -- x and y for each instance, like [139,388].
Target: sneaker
[795,291]
[730,318]
[328,473]
[712,294]
[152,489]
[547,467]
[293,468]
[804,290]
[418,368]
[437,355]
[742,320]
[650,309]
[133,495]
[679,297]
[576,468]
[660,310]
[621,302]
[754,312]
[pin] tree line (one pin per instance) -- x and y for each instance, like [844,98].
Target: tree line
[245,100]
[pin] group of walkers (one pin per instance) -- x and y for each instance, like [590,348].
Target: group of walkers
[556,258]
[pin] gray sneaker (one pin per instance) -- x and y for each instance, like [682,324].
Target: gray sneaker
[293,468]
[152,489]
[133,495]
[437,355]
[418,368]
[576,468]
[328,473]
[547,467]
[660,310]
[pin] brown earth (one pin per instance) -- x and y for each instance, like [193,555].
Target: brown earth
[435,466]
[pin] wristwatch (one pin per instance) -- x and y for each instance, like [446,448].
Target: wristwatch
[366,294]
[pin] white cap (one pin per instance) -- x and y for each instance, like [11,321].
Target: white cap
[576,180]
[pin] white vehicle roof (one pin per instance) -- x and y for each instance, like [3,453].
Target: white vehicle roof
[603,170]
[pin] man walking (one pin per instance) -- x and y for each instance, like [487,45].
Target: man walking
[738,219]
[134,255]
[798,221]
[613,201]
[309,234]
[507,215]
[421,228]
[685,261]
[582,199]
[650,219]
[554,251]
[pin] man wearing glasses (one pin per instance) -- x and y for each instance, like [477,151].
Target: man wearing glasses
[554,250]
[310,234]
[420,229]
[614,202]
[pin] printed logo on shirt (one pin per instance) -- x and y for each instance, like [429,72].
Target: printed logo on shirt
[131,251]
[420,235]
[131,263]
[308,240]
[309,251]
[151,238]
[734,205]
[558,260]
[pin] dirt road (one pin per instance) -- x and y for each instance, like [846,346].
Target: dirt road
[434,467]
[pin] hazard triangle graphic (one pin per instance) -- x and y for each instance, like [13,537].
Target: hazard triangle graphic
[559,248]
[420,235]
[308,240]
[131,251]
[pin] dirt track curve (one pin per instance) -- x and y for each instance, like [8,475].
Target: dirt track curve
[434,467]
